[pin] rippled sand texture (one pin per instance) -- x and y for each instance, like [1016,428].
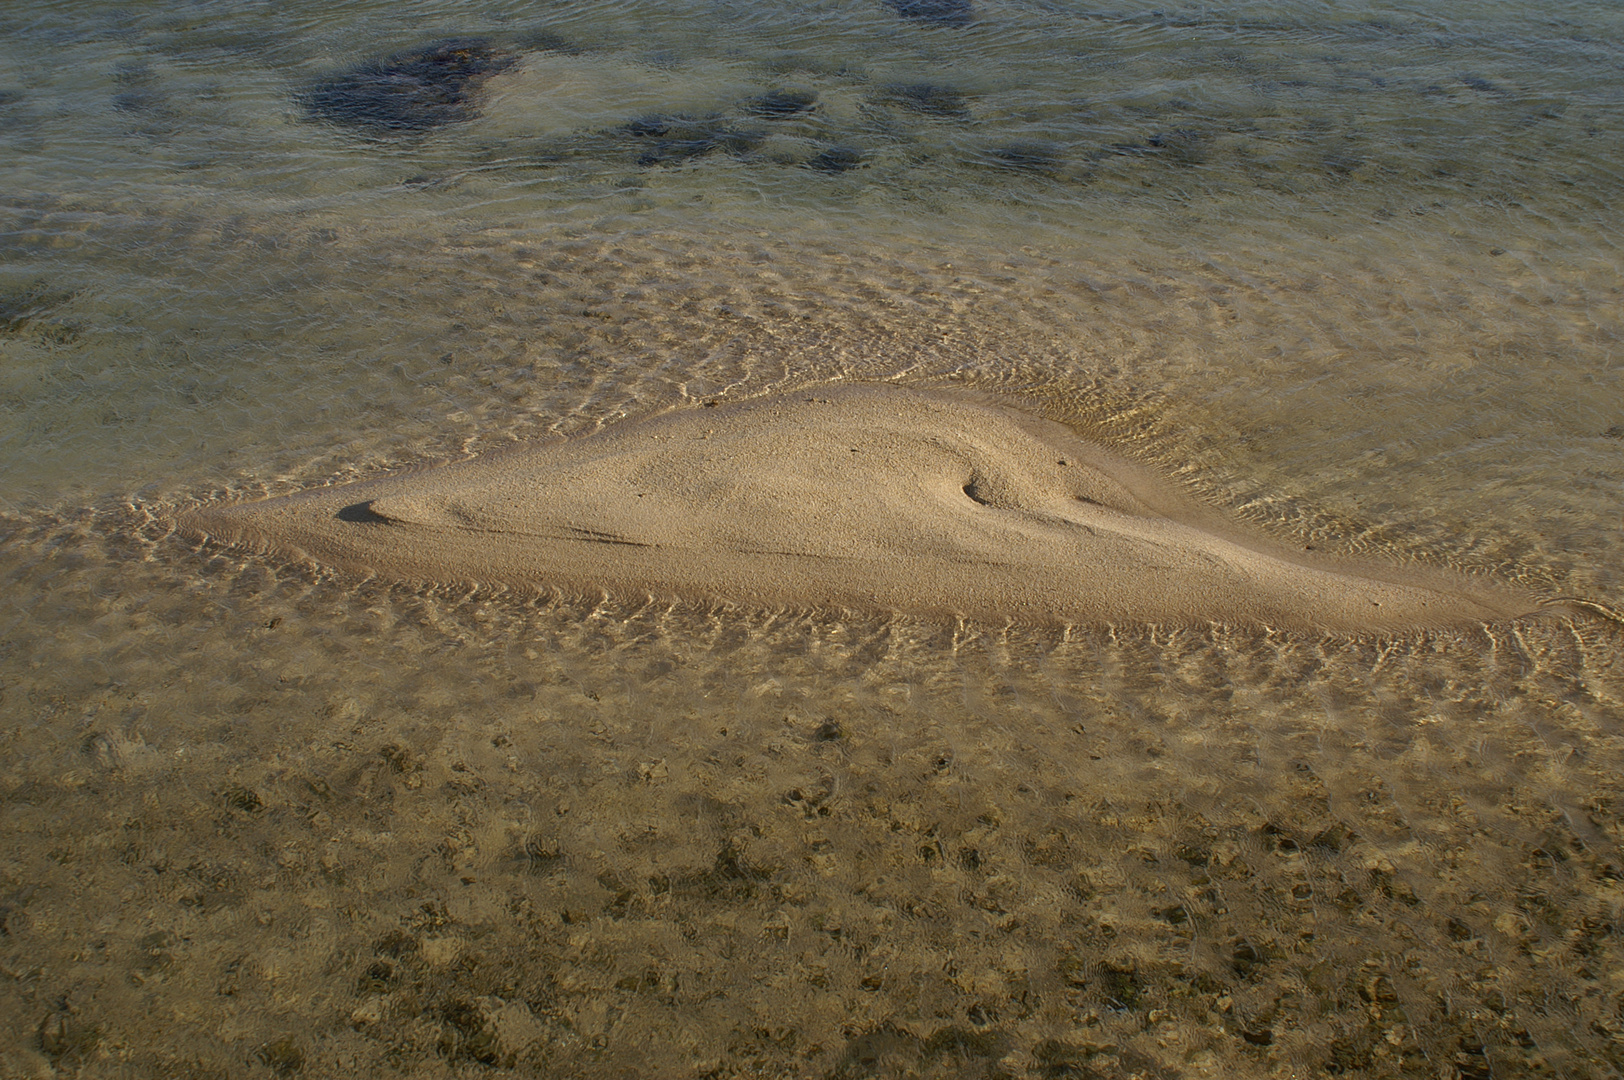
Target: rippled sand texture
[794,846]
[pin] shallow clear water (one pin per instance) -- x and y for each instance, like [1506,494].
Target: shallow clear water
[1350,272]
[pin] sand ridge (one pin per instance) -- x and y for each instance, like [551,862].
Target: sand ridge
[864,496]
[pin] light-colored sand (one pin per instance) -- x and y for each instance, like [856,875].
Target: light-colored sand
[869,496]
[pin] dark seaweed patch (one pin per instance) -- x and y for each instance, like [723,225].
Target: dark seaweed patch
[380,977]
[396,943]
[137,101]
[654,125]
[241,798]
[934,12]
[414,91]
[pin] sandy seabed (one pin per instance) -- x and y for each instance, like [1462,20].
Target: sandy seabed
[264,820]
[395,832]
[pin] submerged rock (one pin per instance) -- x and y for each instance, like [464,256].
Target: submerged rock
[934,12]
[413,91]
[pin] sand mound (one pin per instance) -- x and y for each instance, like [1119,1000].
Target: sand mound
[864,496]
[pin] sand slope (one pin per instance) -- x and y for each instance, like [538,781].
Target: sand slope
[867,496]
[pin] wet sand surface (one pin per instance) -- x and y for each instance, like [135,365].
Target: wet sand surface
[849,496]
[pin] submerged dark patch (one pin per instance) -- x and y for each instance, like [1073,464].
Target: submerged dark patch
[836,159]
[414,91]
[927,99]
[138,89]
[781,103]
[934,12]
[1025,157]
[676,139]
[653,125]
[19,307]
[1182,147]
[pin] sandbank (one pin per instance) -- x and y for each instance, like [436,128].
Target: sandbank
[862,496]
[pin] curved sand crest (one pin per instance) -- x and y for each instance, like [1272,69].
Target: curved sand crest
[868,496]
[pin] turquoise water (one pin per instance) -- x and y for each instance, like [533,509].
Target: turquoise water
[1349,272]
